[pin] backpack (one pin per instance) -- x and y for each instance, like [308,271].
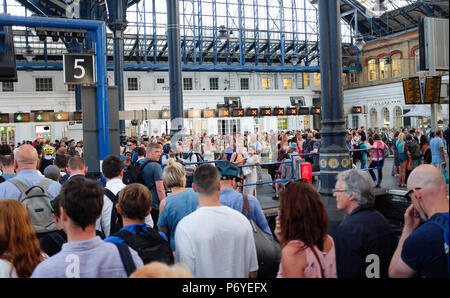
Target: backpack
[268,250]
[134,173]
[116,218]
[441,220]
[150,245]
[37,201]
[414,150]
[357,155]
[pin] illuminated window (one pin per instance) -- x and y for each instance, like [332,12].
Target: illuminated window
[287,83]
[266,83]
[344,79]
[372,68]
[306,79]
[317,79]
[396,68]
[383,69]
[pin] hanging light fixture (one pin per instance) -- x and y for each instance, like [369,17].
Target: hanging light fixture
[378,8]
[294,59]
[223,33]
[28,54]
[359,41]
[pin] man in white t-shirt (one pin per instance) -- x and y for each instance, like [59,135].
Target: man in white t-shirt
[215,241]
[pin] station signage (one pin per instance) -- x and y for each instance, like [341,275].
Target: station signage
[78,116]
[251,112]
[21,117]
[238,112]
[303,111]
[356,110]
[316,111]
[4,118]
[42,117]
[209,113]
[79,68]
[265,112]
[61,116]
[194,113]
[165,114]
[223,112]
[278,112]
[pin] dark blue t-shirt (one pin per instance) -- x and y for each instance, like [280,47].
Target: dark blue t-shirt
[424,251]
[153,172]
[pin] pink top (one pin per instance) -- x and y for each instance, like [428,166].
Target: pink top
[378,144]
[312,270]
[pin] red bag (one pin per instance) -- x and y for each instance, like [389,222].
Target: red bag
[306,171]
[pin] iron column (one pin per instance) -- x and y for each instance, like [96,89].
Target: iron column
[117,22]
[334,156]
[175,77]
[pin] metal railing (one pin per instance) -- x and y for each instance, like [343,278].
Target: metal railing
[291,161]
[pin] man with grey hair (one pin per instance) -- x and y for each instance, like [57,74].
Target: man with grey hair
[365,241]
[26,163]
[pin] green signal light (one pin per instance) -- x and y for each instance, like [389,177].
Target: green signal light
[58,116]
[39,117]
[19,117]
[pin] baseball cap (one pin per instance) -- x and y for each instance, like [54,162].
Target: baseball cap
[228,169]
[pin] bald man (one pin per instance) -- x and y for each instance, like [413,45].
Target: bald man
[26,163]
[422,249]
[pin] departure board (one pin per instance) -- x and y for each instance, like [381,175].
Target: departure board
[411,91]
[432,89]
[21,117]
[303,111]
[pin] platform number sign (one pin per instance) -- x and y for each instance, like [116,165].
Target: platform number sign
[79,69]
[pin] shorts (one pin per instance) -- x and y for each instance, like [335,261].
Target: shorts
[402,157]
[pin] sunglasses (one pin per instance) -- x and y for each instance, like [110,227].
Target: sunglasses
[408,194]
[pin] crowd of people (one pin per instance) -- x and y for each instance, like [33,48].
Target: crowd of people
[155,215]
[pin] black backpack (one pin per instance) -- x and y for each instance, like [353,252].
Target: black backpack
[116,218]
[150,245]
[134,173]
[357,155]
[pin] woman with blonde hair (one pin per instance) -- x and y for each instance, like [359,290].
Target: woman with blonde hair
[180,202]
[20,252]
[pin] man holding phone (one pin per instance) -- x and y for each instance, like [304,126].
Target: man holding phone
[422,249]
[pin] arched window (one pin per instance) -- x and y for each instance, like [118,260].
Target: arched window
[373,118]
[386,120]
[398,119]
[396,66]
[372,69]
[383,69]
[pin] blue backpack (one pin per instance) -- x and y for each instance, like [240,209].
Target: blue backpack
[441,220]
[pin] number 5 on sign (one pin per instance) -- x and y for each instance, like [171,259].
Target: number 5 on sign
[79,69]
